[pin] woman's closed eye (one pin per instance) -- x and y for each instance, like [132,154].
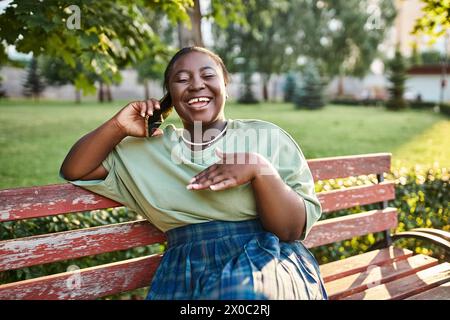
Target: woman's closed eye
[182,80]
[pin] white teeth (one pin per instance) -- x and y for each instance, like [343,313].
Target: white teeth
[201,99]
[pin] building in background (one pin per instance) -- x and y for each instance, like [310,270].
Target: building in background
[427,83]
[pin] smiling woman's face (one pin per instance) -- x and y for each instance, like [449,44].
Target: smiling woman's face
[197,88]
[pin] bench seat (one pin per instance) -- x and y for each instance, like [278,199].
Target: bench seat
[389,273]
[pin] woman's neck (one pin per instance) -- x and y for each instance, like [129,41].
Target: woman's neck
[198,132]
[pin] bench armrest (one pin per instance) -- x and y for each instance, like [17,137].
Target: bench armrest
[437,232]
[435,236]
[438,237]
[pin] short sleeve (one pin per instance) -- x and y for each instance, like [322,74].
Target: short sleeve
[114,186]
[294,170]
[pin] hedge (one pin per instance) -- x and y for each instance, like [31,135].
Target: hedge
[358,102]
[445,108]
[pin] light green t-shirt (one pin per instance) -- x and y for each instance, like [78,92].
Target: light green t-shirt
[150,175]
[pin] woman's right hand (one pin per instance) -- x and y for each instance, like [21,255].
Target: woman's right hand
[132,118]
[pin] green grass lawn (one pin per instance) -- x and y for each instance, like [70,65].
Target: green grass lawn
[35,137]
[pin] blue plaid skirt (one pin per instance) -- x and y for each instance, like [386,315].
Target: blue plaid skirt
[234,260]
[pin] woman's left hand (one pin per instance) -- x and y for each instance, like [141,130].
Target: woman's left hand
[233,169]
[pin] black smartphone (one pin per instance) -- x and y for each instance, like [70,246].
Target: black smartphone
[158,117]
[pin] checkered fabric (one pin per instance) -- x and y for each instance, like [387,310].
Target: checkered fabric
[234,260]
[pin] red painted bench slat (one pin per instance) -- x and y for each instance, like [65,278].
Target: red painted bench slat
[342,228]
[439,293]
[35,202]
[94,282]
[24,252]
[75,199]
[408,286]
[346,166]
[374,275]
[356,196]
[342,268]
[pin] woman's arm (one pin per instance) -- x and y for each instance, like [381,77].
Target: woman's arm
[89,152]
[85,158]
[281,209]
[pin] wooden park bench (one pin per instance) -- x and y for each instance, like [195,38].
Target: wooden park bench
[385,273]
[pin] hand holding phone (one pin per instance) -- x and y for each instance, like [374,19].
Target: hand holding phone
[159,115]
[143,118]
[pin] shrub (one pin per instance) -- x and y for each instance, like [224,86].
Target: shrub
[247,96]
[290,87]
[356,102]
[422,105]
[311,93]
[422,200]
[445,108]
[396,70]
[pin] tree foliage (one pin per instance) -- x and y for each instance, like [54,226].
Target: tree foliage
[342,37]
[311,93]
[225,12]
[435,21]
[247,96]
[58,73]
[290,87]
[111,34]
[397,77]
[432,57]
[261,45]
[34,84]
[222,13]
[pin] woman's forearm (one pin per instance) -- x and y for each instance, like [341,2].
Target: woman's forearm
[89,152]
[281,209]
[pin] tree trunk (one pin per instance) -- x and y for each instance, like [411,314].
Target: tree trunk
[77,96]
[146,90]
[275,89]
[265,89]
[340,88]
[108,93]
[101,97]
[192,37]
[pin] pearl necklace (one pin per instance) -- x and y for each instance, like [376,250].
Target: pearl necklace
[208,142]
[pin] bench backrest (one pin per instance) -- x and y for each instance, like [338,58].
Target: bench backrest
[111,278]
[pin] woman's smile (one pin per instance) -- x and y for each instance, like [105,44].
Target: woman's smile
[199,103]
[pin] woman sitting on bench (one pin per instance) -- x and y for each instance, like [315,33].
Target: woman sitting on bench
[235,197]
